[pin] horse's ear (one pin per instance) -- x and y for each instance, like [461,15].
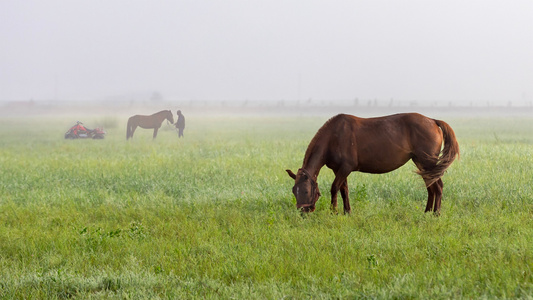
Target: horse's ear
[291,174]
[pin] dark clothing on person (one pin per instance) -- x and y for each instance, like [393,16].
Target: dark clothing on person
[180,123]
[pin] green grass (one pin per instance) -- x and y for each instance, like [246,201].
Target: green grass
[213,216]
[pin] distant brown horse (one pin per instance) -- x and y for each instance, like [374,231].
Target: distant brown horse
[147,122]
[376,145]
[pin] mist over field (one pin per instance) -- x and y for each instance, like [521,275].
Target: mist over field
[477,52]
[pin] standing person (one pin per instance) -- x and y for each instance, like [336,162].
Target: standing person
[180,123]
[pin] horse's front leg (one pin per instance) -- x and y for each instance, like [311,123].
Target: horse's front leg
[345,197]
[155,131]
[333,200]
[340,184]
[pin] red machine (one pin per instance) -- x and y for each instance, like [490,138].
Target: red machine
[79,131]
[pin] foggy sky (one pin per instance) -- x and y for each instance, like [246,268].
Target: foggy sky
[267,50]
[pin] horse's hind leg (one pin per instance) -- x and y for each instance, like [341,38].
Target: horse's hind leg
[132,130]
[432,186]
[155,132]
[434,197]
[431,199]
[129,132]
[439,185]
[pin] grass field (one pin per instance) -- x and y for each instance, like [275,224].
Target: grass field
[212,215]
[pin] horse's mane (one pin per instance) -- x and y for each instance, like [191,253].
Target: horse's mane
[164,110]
[319,134]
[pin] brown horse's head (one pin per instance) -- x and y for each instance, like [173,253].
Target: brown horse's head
[170,117]
[305,190]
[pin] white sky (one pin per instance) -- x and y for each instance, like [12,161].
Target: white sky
[452,50]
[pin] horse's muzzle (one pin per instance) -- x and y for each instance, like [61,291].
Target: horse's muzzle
[306,208]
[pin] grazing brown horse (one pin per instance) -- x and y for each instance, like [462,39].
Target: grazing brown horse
[147,122]
[376,145]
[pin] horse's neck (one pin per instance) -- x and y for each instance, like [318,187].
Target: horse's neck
[162,115]
[314,160]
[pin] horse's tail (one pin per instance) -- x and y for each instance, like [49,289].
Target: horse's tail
[128,130]
[448,154]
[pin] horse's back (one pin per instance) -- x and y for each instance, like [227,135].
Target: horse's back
[404,125]
[397,124]
[407,129]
